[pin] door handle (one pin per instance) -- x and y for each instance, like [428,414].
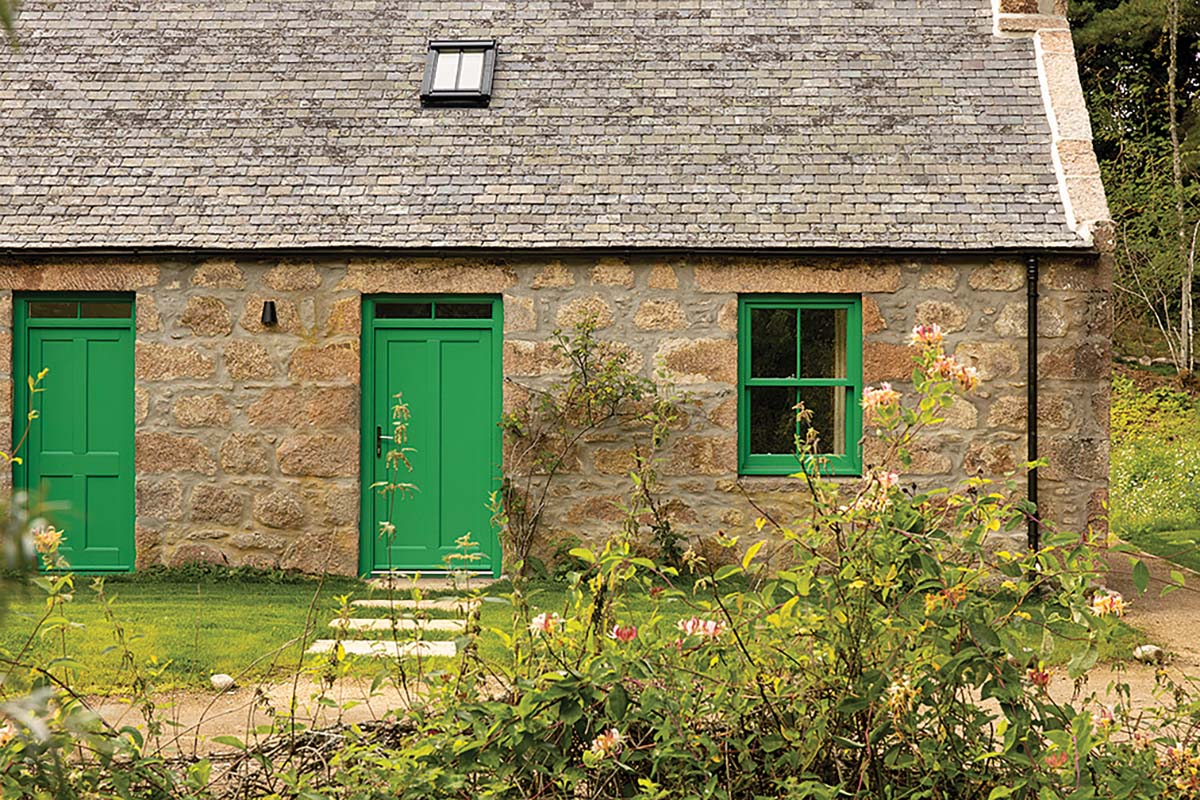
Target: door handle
[379,437]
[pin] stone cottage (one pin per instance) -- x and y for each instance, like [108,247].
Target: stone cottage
[233,231]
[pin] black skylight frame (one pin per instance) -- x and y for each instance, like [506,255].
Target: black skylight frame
[459,97]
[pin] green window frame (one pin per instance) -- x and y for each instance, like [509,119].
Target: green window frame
[836,396]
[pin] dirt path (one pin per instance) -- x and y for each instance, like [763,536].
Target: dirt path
[191,718]
[1171,622]
[194,717]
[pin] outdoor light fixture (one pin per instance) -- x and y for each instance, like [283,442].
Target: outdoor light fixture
[269,316]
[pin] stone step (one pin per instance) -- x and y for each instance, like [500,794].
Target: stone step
[384,624]
[458,605]
[429,582]
[384,649]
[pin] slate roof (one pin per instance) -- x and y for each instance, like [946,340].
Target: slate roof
[630,123]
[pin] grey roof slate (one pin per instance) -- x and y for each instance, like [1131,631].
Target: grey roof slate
[630,123]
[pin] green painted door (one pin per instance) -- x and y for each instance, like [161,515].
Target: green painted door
[79,458]
[441,356]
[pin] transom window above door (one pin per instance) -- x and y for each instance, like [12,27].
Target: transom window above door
[793,350]
[80,309]
[434,309]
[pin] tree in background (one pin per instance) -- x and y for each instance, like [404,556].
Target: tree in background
[1138,63]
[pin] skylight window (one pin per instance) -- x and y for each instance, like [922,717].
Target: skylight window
[459,73]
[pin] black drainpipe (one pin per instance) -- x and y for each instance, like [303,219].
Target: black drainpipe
[1031,331]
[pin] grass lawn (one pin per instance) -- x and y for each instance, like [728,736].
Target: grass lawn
[1181,547]
[248,628]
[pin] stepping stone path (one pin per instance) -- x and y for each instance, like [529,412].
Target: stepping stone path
[377,648]
[406,616]
[401,624]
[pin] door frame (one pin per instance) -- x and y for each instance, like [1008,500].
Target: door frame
[21,396]
[367,534]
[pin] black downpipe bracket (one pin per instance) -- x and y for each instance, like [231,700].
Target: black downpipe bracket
[1031,419]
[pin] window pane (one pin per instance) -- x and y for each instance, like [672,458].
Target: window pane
[828,407]
[116,309]
[445,70]
[773,343]
[823,343]
[772,420]
[470,76]
[53,309]
[464,310]
[403,310]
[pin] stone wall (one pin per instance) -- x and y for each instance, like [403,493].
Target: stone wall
[247,438]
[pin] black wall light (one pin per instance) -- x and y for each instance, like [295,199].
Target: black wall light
[269,317]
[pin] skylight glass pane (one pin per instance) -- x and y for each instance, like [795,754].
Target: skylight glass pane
[471,74]
[445,71]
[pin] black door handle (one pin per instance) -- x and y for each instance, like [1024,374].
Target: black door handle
[379,437]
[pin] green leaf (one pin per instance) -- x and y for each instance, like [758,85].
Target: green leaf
[1000,791]
[726,571]
[583,554]
[232,741]
[618,702]
[1141,575]
[752,552]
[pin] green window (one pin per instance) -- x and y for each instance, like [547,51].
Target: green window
[799,349]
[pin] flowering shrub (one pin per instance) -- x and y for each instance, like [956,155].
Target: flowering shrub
[891,644]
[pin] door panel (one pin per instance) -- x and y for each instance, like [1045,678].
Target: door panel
[448,379]
[80,451]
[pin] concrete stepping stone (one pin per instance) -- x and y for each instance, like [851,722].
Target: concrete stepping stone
[384,649]
[460,605]
[384,624]
[430,582]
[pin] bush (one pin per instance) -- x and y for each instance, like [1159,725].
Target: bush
[889,645]
[898,654]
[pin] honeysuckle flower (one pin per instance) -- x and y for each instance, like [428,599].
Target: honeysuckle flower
[944,367]
[706,628]
[927,335]
[1105,719]
[1105,603]
[607,744]
[47,540]
[874,400]
[1056,760]
[887,480]
[1040,677]
[546,624]
[623,633]
[900,696]
[7,732]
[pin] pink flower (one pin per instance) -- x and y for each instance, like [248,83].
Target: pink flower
[1056,760]
[968,378]
[545,624]
[887,480]
[623,633]
[874,400]
[927,335]
[948,369]
[1105,603]
[706,628]
[606,744]
[1040,677]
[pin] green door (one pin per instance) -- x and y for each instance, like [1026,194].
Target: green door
[79,459]
[441,355]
